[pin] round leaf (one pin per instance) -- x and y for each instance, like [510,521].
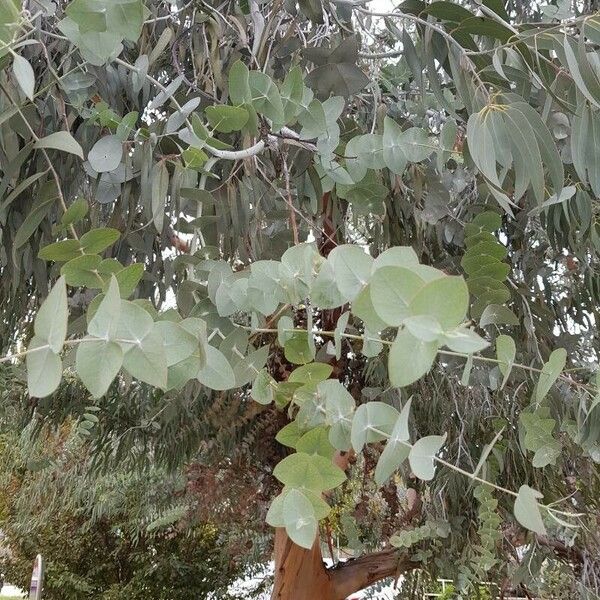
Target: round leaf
[106,154]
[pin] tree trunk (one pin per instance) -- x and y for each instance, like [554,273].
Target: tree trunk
[301,575]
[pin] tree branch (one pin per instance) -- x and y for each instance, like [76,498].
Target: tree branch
[362,572]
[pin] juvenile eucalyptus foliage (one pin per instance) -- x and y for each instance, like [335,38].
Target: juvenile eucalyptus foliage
[194,191]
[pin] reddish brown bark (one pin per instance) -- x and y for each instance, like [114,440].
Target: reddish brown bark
[301,575]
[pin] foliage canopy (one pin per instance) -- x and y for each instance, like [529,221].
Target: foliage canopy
[380,231]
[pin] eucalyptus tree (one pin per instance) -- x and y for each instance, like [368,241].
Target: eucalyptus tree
[380,229]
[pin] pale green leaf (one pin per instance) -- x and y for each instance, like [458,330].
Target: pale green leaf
[396,449]
[311,373]
[50,323]
[160,187]
[310,471]
[98,363]
[392,289]
[422,454]
[550,373]
[246,369]
[97,240]
[44,369]
[264,388]
[393,147]
[446,299]
[316,441]
[527,510]
[24,75]
[409,359]
[505,351]
[178,343]
[105,322]
[106,154]
[299,519]
[372,422]
[464,340]
[61,140]
[61,251]
[217,373]
[146,360]
[226,118]
[351,268]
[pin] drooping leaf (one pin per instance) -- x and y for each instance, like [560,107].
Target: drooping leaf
[50,325]
[371,423]
[299,519]
[44,369]
[61,140]
[160,186]
[505,351]
[550,373]
[527,511]
[24,75]
[422,454]
[410,358]
[396,449]
[98,363]
[217,373]
[264,388]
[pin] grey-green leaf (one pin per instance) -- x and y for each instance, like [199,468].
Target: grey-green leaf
[421,456]
[217,373]
[98,363]
[44,369]
[106,154]
[61,140]
[299,519]
[527,510]
[550,373]
[409,358]
[105,322]
[50,323]
[24,75]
